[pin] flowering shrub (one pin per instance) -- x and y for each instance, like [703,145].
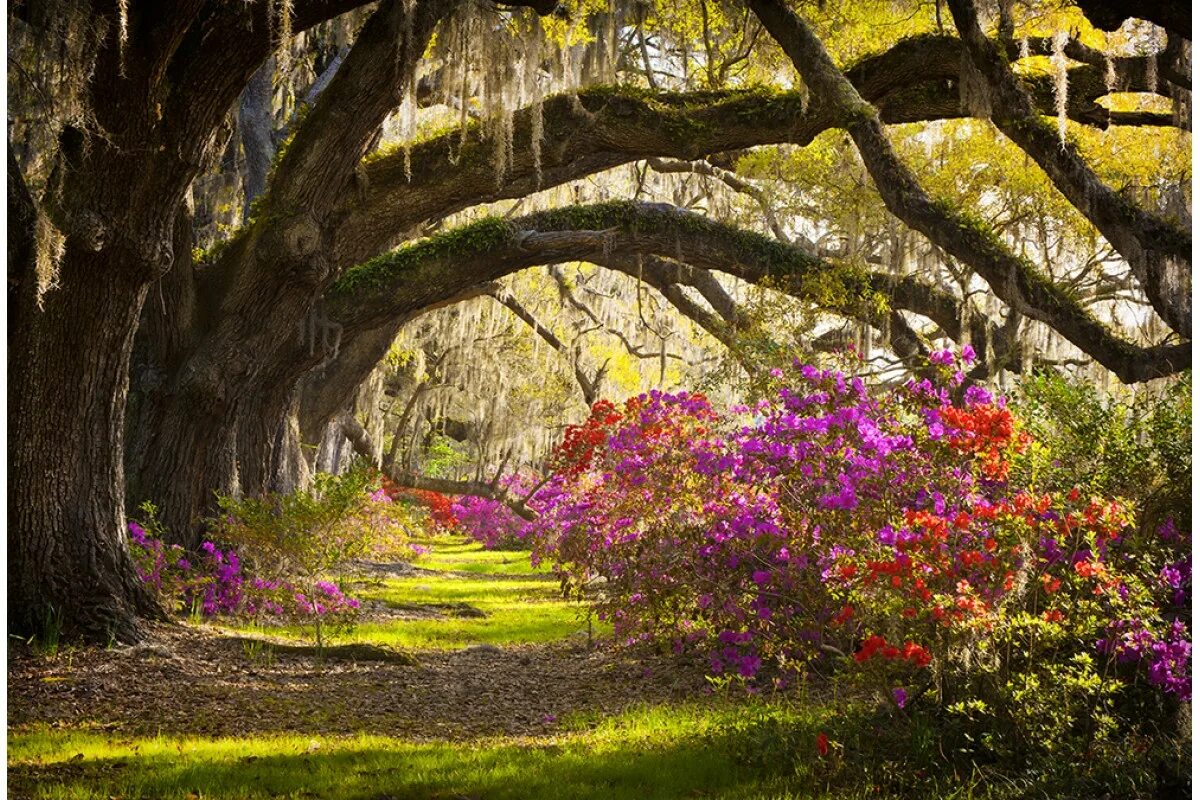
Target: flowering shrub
[439,508]
[491,522]
[294,540]
[213,583]
[575,452]
[163,568]
[291,542]
[880,529]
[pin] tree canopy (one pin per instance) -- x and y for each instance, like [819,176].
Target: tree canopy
[251,237]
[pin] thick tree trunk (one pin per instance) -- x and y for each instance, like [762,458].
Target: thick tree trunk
[154,106]
[263,421]
[67,545]
[191,457]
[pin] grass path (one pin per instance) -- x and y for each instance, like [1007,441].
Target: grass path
[459,595]
[499,696]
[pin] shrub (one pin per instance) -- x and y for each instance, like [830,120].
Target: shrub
[437,509]
[907,536]
[295,540]
[1139,449]
[277,553]
[491,522]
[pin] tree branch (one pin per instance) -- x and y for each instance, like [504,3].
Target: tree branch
[1108,15]
[731,180]
[1158,253]
[1013,279]
[342,122]
[597,129]
[589,386]
[614,234]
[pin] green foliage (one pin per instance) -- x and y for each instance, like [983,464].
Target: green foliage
[304,532]
[46,641]
[443,459]
[1138,448]
[301,536]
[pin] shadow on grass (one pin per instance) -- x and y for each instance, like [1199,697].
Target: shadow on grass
[353,652]
[374,768]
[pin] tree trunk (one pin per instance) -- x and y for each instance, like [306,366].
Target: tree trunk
[67,546]
[290,469]
[257,122]
[190,457]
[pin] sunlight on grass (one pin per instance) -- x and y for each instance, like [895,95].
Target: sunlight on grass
[461,554]
[509,603]
[657,752]
[506,622]
[515,611]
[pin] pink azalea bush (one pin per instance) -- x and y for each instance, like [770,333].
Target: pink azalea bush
[881,530]
[290,544]
[491,522]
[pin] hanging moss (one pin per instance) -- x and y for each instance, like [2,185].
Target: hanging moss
[683,116]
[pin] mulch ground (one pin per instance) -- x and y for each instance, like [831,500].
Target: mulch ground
[196,681]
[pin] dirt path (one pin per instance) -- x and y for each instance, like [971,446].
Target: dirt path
[195,680]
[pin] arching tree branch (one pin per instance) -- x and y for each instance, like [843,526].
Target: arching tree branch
[597,129]
[1158,253]
[614,234]
[731,180]
[1012,278]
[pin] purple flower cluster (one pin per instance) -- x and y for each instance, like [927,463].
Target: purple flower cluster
[214,584]
[491,522]
[219,589]
[157,564]
[1167,658]
[836,514]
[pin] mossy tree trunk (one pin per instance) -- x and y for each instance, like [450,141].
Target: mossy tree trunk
[155,94]
[68,557]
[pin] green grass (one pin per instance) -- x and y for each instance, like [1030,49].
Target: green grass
[658,752]
[721,749]
[456,553]
[520,605]
[516,611]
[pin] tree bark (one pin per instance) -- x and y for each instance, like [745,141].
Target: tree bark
[153,104]
[256,123]
[68,554]
[226,407]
